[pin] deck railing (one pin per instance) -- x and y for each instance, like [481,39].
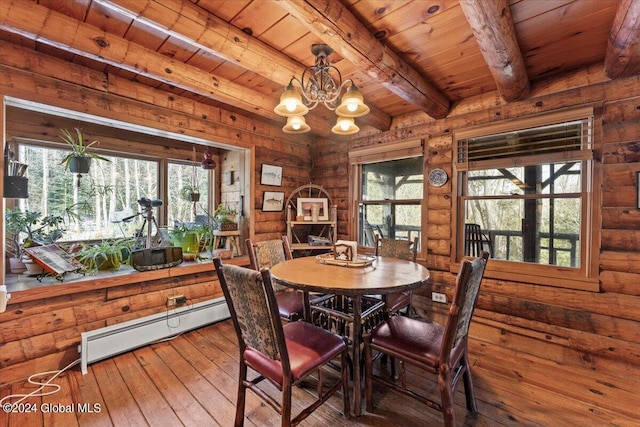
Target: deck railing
[508,245]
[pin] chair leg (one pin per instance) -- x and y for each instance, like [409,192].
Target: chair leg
[345,384]
[394,368]
[468,385]
[242,392]
[368,378]
[286,403]
[446,395]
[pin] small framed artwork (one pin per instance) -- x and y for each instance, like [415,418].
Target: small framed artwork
[308,206]
[638,190]
[272,201]
[271,175]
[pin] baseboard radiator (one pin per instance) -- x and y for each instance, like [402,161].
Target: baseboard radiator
[106,342]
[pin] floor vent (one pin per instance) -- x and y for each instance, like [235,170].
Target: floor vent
[115,339]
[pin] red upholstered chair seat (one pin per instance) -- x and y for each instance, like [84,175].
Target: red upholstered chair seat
[290,304]
[397,301]
[307,346]
[419,341]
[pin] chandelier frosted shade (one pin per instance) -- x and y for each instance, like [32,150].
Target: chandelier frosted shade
[296,124]
[291,103]
[352,104]
[345,126]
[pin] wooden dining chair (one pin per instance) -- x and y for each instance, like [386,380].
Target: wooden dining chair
[440,350]
[476,241]
[402,249]
[284,355]
[267,254]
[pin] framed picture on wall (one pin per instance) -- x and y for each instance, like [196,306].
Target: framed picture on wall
[305,207]
[272,201]
[271,175]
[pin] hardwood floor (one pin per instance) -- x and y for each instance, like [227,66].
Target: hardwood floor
[191,380]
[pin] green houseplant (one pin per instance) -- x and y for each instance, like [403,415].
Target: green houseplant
[79,159]
[186,237]
[225,218]
[28,228]
[106,255]
[190,193]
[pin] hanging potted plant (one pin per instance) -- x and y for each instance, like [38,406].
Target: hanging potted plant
[190,193]
[78,161]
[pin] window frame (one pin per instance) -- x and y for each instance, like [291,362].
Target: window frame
[586,276]
[162,170]
[382,153]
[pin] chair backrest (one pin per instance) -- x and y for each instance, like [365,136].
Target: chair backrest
[464,301]
[394,248]
[268,253]
[475,241]
[253,308]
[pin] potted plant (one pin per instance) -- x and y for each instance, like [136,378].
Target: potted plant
[190,193]
[29,228]
[225,217]
[106,255]
[79,159]
[184,236]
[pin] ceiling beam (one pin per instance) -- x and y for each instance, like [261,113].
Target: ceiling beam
[188,22]
[493,29]
[623,48]
[332,22]
[55,29]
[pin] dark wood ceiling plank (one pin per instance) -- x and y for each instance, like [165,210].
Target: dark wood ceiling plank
[492,27]
[623,50]
[332,22]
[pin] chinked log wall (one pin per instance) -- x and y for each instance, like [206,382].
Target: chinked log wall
[596,331]
[43,334]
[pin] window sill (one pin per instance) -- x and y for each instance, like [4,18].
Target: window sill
[24,288]
[537,275]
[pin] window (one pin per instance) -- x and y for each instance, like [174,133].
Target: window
[105,205]
[529,191]
[389,193]
[188,189]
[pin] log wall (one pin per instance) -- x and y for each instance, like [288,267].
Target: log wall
[41,327]
[596,331]
[40,331]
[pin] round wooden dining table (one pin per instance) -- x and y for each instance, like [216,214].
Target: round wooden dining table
[384,275]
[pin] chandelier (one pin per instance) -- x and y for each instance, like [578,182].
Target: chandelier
[321,84]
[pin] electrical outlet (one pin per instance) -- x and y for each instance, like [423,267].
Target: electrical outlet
[176,301]
[438,297]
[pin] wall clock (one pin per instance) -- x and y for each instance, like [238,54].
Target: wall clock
[438,177]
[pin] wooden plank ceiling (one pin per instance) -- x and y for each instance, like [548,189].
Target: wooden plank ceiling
[406,56]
